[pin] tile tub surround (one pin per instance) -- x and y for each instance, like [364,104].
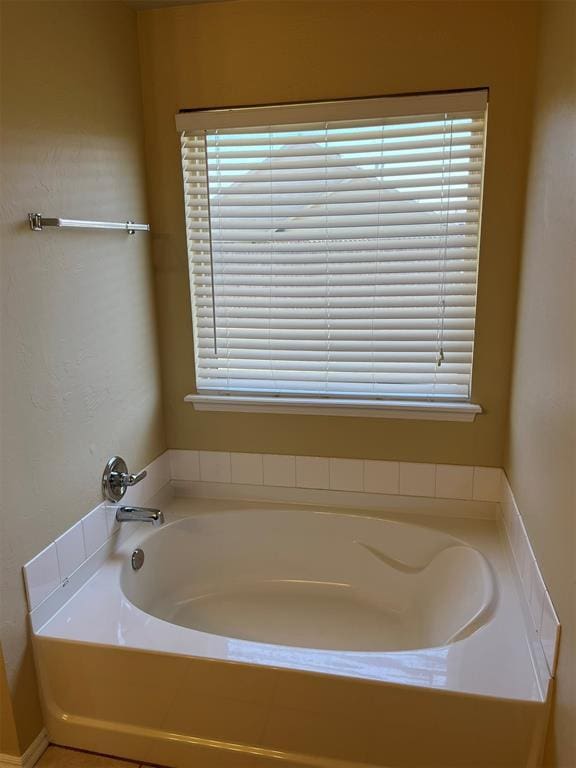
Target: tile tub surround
[62,564]
[445,481]
[541,609]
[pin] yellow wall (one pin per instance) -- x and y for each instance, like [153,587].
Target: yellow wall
[8,737]
[248,52]
[541,462]
[79,349]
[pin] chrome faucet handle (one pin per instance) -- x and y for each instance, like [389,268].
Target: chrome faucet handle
[126,478]
[116,479]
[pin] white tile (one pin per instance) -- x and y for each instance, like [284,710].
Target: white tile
[157,475]
[487,484]
[539,602]
[215,466]
[521,555]
[312,472]
[279,470]
[111,522]
[41,576]
[247,468]
[417,479]
[184,465]
[512,523]
[513,529]
[518,541]
[525,557]
[549,633]
[454,482]
[536,594]
[346,474]
[95,529]
[509,510]
[381,476]
[135,495]
[70,549]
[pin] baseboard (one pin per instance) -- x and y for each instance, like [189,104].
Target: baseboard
[32,754]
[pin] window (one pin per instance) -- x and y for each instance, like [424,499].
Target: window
[333,251]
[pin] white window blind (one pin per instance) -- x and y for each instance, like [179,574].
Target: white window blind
[335,257]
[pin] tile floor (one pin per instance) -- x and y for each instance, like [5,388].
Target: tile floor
[58,757]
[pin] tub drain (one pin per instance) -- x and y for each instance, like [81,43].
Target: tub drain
[137,559]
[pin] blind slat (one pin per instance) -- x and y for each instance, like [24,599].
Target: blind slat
[260,317]
[379,146]
[452,208]
[415,128]
[314,247]
[343,186]
[264,176]
[353,304]
[271,272]
[302,263]
[223,164]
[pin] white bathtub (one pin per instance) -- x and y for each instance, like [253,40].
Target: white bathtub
[261,635]
[313,580]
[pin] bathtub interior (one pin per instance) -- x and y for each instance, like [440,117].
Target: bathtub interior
[313,580]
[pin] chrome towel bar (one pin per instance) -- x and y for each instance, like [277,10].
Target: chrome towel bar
[39,222]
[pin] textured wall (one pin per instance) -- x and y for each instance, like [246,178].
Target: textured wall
[237,53]
[8,737]
[541,459]
[79,349]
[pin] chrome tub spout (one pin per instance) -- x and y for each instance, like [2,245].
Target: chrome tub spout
[139,515]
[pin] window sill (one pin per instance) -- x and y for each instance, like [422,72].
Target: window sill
[379,409]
